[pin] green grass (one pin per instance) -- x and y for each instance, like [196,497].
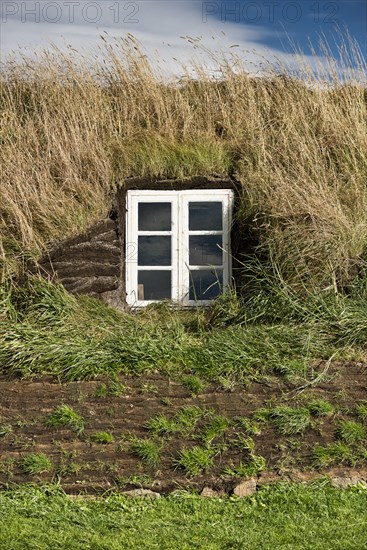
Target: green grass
[334,454]
[153,157]
[161,425]
[361,410]
[315,517]
[349,431]
[249,426]
[252,467]
[195,460]
[101,391]
[136,480]
[193,384]
[113,388]
[245,443]
[5,430]
[37,463]
[184,421]
[148,388]
[214,429]
[320,407]
[102,437]
[187,418]
[288,420]
[147,450]
[65,416]
[45,330]
[72,355]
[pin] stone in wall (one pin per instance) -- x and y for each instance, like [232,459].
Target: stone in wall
[89,263]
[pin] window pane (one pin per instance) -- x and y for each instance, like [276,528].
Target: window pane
[204,250]
[154,216]
[205,216]
[154,285]
[205,285]
[154,250]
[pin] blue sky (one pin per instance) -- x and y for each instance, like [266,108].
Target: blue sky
[267,26]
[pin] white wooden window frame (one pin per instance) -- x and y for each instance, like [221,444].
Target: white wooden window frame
[180,233]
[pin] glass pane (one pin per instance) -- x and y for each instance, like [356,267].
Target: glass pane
[154,216]
[205,216]
[154,285]
[205,285]
[154,250]
[204,250]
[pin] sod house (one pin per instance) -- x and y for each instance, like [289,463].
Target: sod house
[162,240]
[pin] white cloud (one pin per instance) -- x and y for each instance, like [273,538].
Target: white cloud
[159,26]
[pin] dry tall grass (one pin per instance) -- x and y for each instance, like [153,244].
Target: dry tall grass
[72,130]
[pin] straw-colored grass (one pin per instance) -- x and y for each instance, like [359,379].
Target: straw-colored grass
[73,129]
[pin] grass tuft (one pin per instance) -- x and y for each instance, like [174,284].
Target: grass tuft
[289,420]
[65,416]
[115,389]
[332,454]
[214,429]
[187,418]
[104,438]
[34,464]
[349,432]
[193,384]
[253,467]
[5,430]
[195,460]
[161,425]
[320,407]
[147,450]
[361,410]
[248,426]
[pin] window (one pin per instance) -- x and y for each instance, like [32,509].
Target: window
[177,245]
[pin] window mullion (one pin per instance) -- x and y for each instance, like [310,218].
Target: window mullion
[179,244]
[184,247]
[175,250]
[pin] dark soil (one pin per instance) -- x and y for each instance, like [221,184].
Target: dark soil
[83,465]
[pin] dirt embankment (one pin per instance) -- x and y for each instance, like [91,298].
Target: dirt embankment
[123,408]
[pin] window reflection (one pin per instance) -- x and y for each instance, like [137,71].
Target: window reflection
[154,250]
[154,285]
[205,216]
[154,216]
[205,250]
[205,284]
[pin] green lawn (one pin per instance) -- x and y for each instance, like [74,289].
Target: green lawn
[283,516]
